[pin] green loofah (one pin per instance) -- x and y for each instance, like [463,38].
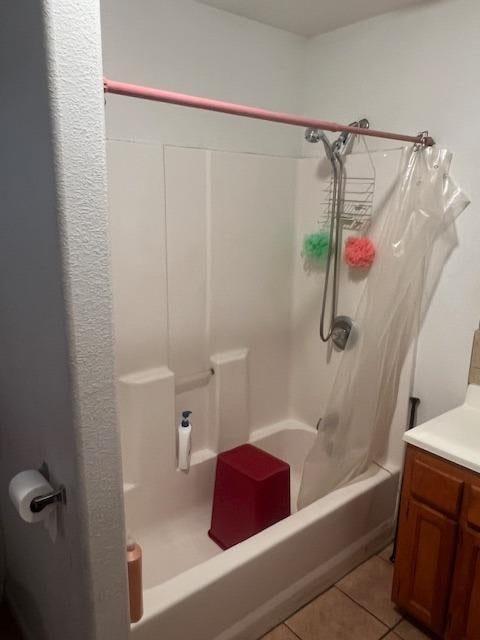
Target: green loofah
[315,246]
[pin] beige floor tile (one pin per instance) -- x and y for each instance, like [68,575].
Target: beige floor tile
[386,553]
[392,636]
[280,633]
[370,585]
[407,631]
[333,616]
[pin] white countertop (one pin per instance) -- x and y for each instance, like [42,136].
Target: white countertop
[454,435]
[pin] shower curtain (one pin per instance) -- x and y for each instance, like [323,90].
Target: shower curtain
[417,236]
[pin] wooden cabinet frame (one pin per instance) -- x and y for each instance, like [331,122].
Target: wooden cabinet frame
[437,567]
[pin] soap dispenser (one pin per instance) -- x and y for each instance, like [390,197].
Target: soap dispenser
[184,441]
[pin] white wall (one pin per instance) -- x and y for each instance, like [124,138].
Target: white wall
[382,68]
[407,71]
[314,363]
[185,46]
[56,379]
[179,296]
[251,272]
[164,198]
[138,248]
[202,249]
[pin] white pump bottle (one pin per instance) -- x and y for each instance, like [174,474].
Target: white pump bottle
[184,441]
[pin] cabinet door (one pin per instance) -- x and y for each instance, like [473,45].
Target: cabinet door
[464,614]
[423,566]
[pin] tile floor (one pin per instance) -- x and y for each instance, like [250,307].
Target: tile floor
[358,607]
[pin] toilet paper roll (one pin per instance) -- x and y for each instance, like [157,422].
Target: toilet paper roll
[26,486]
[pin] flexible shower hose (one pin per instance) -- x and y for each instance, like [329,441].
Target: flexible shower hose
[333,246]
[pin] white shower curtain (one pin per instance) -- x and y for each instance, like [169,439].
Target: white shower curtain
[416,239]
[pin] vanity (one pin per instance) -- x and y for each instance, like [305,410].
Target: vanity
[437,567]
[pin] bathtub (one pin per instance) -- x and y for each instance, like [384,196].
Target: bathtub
[195,591]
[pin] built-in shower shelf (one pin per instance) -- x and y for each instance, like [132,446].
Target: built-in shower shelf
[201,456]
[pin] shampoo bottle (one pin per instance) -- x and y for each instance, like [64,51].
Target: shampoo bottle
[184,441]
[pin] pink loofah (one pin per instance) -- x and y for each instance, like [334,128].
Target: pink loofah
[359,252]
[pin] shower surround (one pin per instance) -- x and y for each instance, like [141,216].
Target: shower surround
[208,274]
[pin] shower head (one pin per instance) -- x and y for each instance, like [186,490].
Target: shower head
[315,135]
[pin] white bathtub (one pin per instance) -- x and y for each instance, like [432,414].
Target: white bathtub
[195,591]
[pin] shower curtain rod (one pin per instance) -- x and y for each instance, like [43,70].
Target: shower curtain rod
[184,100]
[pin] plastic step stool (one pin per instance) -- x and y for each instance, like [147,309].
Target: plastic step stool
[252,492]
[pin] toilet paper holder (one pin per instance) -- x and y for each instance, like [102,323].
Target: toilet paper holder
[39,503]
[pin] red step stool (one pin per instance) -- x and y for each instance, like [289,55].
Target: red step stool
[252,492]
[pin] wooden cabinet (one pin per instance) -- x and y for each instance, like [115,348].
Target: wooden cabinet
[424,562]
[464,614]
[437,567]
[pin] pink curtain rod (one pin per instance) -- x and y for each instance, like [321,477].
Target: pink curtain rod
[184,100]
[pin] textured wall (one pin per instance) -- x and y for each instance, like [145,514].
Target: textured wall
[78,117]
[56,382]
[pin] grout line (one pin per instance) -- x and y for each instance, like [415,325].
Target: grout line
[398,624]
[335,586]
[417,626]
[346,594]
[304,606]
[390,564]
[290,629]
[364,608]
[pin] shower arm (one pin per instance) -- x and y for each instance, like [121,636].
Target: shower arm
[196,102]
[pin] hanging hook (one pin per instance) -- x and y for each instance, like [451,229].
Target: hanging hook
[424,141]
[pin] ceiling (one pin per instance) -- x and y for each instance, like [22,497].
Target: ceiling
[309,17]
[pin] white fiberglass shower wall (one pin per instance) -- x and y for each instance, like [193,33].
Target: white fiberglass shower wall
[208,274]
[208,215]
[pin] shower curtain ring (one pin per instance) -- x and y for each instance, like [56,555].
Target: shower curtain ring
[422,143]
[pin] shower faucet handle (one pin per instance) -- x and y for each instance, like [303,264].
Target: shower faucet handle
[341,330]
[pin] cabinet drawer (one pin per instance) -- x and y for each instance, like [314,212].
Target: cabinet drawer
[432,484]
